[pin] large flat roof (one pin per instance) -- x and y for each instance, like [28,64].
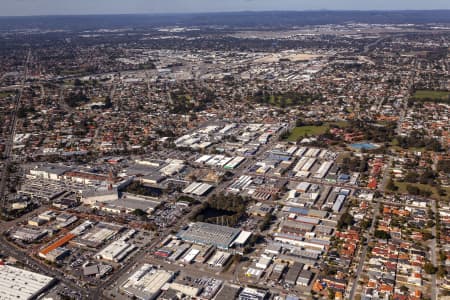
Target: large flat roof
[17,283]
[210,234]
[146,283]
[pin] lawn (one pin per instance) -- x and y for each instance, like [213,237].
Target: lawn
[340,124]
[396,147]
[431,95]
[4,94]
[278,100]
[301,132]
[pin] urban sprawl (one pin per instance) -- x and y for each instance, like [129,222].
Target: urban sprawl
[225,162]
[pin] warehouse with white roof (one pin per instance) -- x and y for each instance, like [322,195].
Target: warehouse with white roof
[20,284]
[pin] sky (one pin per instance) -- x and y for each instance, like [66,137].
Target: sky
[75,7]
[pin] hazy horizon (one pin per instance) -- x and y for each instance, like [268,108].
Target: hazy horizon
[108,7]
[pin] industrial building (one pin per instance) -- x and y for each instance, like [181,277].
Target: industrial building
[175,166]
[57,244]
[186,290]
[97,235]
[116,251]
[234,163]
[198,188]
[99,270]
[253,294]
[228,292]
[210,234]
[293,273]
[28,235]
[240,184]
[153,179]
[305,277]
[48,215]
[36,222]
[219,259]
[17,283]
[189,257]
[146,283]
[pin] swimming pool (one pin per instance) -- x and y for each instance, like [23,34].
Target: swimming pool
[366,146]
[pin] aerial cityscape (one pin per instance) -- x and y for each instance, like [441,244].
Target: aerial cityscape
[243,155]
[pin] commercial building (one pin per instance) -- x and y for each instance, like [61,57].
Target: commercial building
[129,203]
[17,283]
[91,197]
[52,172]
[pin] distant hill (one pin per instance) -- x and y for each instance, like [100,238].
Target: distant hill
[272,19]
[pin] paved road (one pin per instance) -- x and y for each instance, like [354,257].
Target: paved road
[36,265]
[12,135]
[433,249]
[386,175]
[362,257]
[141,255]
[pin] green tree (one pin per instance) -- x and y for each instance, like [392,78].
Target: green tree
[430,268]
[108,102]
[139,212]
[331,294]
[380,234]
[391,185]
[345,220]
[404,289]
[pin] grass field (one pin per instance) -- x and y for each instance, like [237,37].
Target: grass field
[277,101]
[402,188]
[4,94]
[396,147]
[300,132]
[431,95]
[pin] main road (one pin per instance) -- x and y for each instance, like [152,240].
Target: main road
[12,134]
